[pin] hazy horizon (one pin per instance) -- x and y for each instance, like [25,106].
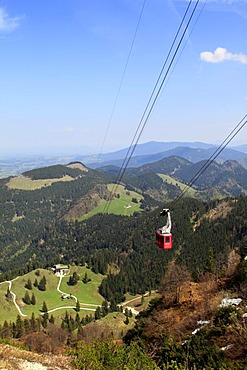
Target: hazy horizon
[62,63]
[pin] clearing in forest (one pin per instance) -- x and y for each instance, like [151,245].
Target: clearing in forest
[124,202]
[25,183]
[181,185]
[85,293]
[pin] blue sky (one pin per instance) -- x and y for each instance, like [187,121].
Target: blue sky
[62,61]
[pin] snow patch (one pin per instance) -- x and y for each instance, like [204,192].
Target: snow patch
[230,302]
[203,322]
[134,312]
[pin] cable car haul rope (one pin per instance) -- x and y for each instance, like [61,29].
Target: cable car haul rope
[163,234]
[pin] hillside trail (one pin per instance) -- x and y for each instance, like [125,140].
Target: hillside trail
[71,296]
[14,296]
[66,295]
[60,291]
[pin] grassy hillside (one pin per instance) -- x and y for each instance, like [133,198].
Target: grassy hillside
[87,294]
[121,203]
[170,180]
[25,183]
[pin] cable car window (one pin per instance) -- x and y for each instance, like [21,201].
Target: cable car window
[167,239]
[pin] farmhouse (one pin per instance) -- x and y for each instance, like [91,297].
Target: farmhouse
[60,269]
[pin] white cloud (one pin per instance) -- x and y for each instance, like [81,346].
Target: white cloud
[7,23]
[220,55]
[69,129]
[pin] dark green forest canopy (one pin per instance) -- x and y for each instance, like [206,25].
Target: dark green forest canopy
[53,172]
[129,244]
[25,214]
[34,231]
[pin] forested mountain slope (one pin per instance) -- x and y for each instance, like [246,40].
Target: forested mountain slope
[186,328]
[66,192]
[128,244]
[218,180]
[35,233]
[25,213]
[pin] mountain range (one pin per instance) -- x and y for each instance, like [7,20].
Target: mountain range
[144,153]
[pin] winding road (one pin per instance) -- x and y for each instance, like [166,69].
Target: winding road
[14,297]
[66,294]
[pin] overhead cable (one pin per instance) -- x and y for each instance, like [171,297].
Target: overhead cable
[121,82]
[154,96]
[215,154]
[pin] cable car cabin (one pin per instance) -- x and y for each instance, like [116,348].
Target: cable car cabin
[164,241]
[163,234]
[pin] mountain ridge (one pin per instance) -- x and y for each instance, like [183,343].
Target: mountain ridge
[144,153]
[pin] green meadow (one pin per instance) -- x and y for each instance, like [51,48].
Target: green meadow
[25,183]
[181,185]
[87,294]
[121,203]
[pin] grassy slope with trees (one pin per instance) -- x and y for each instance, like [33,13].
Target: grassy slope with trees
[202,243]
[85,293]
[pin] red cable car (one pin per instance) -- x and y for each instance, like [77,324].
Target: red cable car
[163,234]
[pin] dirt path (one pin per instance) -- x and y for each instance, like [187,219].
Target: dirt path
[14,297]
[134,299]
[76,299]
[66,294]
[62,307]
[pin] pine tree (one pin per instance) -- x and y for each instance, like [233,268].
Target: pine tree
[86,279]
[27,326]
[97,314]
[26,299]
[44,307]
[113,306]
[35,283]
[77,307]
[42,284]
[19,327]
[210,264]
[28,284]
[66,318]
[73,279]
[45,320]
[71,324]
[33,299]
[45,315]
[104,308]
[33,323]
